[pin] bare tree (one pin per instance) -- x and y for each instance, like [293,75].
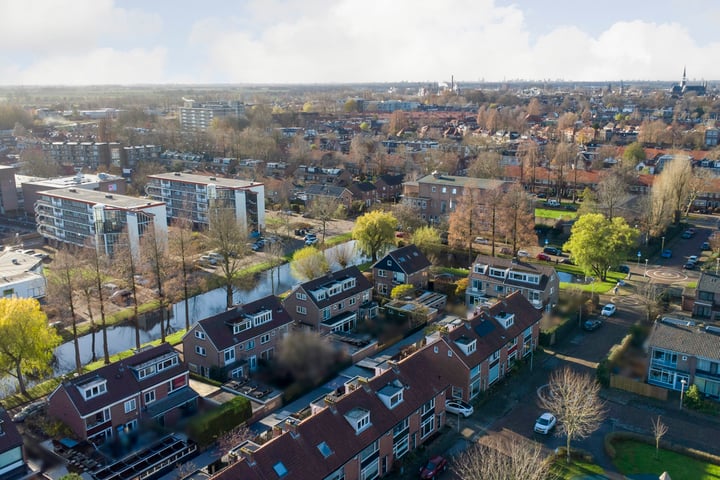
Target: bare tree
[659,430]
[675,184]
[99,264]
[492,202]
[127,265]
[157,265]
[502,459]
[486,165]
[517,217]
[464,222]
[231,439]
[564,153]
[575,401]
[229,240]
[611,192]
[183,250]
[343,254]
[61,284]
[408,216]
[326,209]
[86,285]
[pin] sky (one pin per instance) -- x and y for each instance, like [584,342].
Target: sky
[96,42]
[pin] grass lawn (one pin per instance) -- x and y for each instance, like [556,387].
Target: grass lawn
[636,457]
[599,287]
[576,468]
[555,214]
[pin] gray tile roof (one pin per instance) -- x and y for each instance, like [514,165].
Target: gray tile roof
[690,340]
[708,283]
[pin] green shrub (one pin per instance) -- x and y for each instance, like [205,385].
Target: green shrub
[204,429]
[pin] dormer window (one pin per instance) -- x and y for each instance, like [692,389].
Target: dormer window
[497,272]
[348,284]
[391,394]
[94,388]
[240,327]
[480,268]
[261,317]
[396,399]
[335,289]
[358,418]
[506,319]
[466,344]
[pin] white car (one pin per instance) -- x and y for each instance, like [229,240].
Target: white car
[692,259]
[545,423]
[459,407]
[608,310]
[523,253]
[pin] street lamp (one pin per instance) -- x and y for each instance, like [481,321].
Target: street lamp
[646,265]
[663,244]
[639,255]
[683,382]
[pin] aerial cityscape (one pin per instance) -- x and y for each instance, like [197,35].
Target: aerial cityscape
[341,240]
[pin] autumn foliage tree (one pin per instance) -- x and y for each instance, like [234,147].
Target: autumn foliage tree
[517,217]
[375,231]
[26,340]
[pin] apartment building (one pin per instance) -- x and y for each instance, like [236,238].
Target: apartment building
[76,216]
[361,431]
[437,195]
[8,191]
[230,344]
[29,188]
[21,275]
[151,385]
[333,302]
[493,277]
[199,116]
[190,196]
[682,353]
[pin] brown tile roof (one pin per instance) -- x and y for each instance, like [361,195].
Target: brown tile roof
[490,335]
[408,259]
[11,437]
[546,271]
[422,376]
[690,340]
[361,284]
[122,381]
[219,327]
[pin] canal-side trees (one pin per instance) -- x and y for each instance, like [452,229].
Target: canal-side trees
[375,231]
[61,283]
[228,240]
[98,264]
[157,265]
[183,250]
[26,340]
[308,263]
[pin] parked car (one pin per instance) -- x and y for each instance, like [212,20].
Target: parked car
[623,269]
[552,203]
[686,234]
[705,246]
[608,310]
[571,208]
[433,466]
[459,407]
[693,259]
[567,261]
[592,324]
[257,246]
[481,241]
[29,411]
[544,257]
[311,241]
[520,253]
[545,423]
[121,297]
[667,253]
[552,251]
[689,266]
[542,195]
[300,232]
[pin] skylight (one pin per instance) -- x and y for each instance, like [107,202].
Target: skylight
[280,469]
[324,449]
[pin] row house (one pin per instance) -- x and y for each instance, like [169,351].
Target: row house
[493,277]
[308,175]
[681,354]
[333,302]
[364,192]
[78,216]
[706,304]
[190,196]
[438,195]
[150,386]
[488,343]
[389,187]
[8,191]
[229,344]
[339,195]
[405,265]
[362,431]
[12,452]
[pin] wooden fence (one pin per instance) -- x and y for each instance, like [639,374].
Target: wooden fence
[640,388]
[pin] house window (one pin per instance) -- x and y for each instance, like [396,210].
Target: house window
[149,397]
[200,334]
[301,296]
[433,189]
[229,355]
[395,399]
[499,288]
[351,301]
[200,350]
[427,426]
[301,310]
[250,345]
[444,189]
[326,313]
[265,338]
[362,423]
[382,289]
[95,390]
[341,305]
[130,405]
[366,296]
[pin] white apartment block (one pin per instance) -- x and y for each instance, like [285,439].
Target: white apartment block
[190,196]
[74,215]
[21,275]
[200,117]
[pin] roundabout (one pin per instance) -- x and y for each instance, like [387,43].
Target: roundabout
[666,275]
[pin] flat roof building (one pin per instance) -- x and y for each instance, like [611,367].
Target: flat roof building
[190,196]
[75,215]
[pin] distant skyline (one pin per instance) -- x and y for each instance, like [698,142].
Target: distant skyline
[95,42]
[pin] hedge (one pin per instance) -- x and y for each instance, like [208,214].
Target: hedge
[206,428]
[560,331]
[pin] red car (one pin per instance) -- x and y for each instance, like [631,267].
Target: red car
[544,257]
[433,467]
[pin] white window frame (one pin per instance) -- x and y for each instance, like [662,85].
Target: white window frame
[130,405]
[200,350]
[149,397]
[301,310]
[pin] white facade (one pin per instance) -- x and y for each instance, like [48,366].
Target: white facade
[21,275]
[192,196]
[74,215]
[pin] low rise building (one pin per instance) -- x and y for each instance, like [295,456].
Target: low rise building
[405,265]
[230,344]
[21,275]
[12,452]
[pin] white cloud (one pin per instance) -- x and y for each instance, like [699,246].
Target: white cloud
[97,67]
[49,26]
[417,40]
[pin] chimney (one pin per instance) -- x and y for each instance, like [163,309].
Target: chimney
[291,426]
[394,365]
